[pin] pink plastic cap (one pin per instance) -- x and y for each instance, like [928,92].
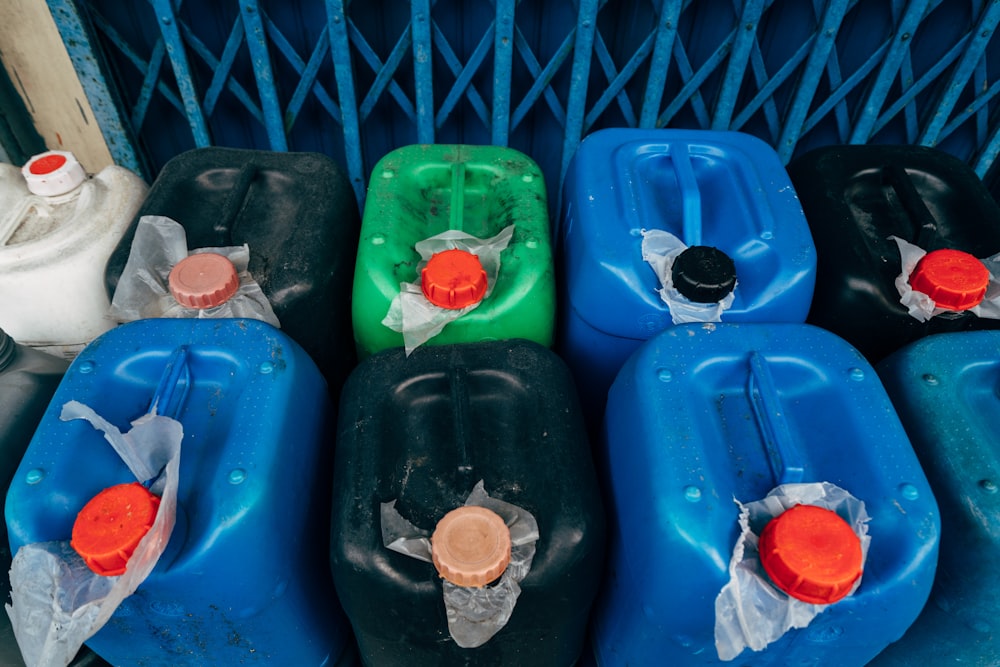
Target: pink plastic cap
[203,280]
[471,546]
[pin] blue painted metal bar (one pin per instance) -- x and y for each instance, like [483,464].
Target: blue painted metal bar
[308,82]
[266,87]
[149,80]
[764,101]
[542,79]
[616,81]
[690,92]
[982,121]
[839,93]
[503,57]
[340,52]
[463,77]
[384,72]
[307,72]
[659,63]
[988,154]
[765,95]
[420,27]
[981,35]
[220,73]
[141,65]
[888,70]
[586,26]
[744,37]
[907,97]
[232,85]
[978,107]
[805,90]
[182,72]
[77,38]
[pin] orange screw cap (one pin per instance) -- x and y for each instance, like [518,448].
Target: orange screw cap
[955,280]
[453,279]
[471,546]
[109,527]
[811,553]
[203,280]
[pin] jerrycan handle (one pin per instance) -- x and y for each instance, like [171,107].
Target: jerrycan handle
[172,390]
[783,454]
[690,194]
[901,189]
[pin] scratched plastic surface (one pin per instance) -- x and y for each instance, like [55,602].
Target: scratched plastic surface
[244,577]
[701,415]
[945,390]
[855,198]
[723,189]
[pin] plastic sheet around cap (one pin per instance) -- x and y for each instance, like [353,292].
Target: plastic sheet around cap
[57,602]
[750,611]
[474,614]
[143,290]
[413,315]
[921,306]
[659,250]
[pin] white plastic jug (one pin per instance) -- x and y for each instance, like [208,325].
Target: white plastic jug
[57,229]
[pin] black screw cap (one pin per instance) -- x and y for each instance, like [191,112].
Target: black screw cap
[704,274]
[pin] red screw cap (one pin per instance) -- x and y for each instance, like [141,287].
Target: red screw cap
[955,280]
[203,280]
[471,546]
[811,553]
[453,279]
[109,527]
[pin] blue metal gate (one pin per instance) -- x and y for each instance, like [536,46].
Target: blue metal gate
[355,80]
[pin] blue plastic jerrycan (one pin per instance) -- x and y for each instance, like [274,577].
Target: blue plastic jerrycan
[944,388]
[705,415]
[244,576]
[725,196]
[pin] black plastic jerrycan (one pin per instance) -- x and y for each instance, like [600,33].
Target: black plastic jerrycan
[467,523]
[28,378]
[298,215]
[858,200]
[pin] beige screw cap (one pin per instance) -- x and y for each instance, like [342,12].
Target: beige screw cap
[203,280]
[471,546]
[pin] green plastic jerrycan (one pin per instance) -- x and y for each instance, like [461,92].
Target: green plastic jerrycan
[421,191]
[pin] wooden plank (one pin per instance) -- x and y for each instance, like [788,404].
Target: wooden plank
[40,69]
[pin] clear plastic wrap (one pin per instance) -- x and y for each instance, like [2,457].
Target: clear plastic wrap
[474,614]
[921,306]
[57,601]
[750,612]
[143,291]
[419,320]
[659,250]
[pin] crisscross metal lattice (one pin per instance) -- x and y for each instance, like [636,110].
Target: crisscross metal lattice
[355,80]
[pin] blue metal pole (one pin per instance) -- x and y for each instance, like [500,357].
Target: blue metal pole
[826,38]
[583,47]
[182,72]
[420,11]
[257,44]
[666,32]
[503,54]
[340,52]
[887,72]
[77,38]
[746,33]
